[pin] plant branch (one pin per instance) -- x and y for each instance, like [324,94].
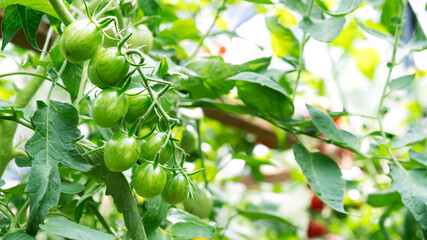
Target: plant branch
[201,155]
[62,11]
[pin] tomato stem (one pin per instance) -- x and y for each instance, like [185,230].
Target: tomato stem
[62,11]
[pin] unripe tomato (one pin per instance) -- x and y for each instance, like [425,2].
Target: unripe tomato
[120,152]
[147,181]
[176,189]
[315,229]
[108,68]
[151,146]
[201,205]
[139,103]
[316,205]
[189,139]
[80,41]
[109,107]
[141,36]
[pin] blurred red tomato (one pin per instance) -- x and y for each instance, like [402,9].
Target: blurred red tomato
[315,229]
[316,205]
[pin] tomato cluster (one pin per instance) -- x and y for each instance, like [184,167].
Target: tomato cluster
[109,69]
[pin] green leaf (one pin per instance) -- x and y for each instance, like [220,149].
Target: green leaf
[118,188]
[402,82]
[188,226]
[344,7]
[383,198]
[323,30]
[163,68]
[4,221]
[10,25]
[260,1]
[23,161]
[256,65]
[323,175]
[296,5]
[185,29]
[256,215]
[30,19]
[68,229]
[261,80]
[34,62]
[418,157]
[419,41]
[376,33]
[157,211]
[324,123]
[412,186]
[39,5]
[149,7]
[413,134]
[283,41]
[71,188]
[52,143]
[390,10]
[18,236]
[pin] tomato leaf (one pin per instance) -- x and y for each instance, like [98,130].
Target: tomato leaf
[18,236]
[260,1]
[344,7]
[261,80]
[188,226]
[383,198]
[326,125]
[412,186]
[283,41]
[323,30]
[39,5]
[68,229]
[52,143]
[418,157]
[402,82]
[323,175]
[118,187]
[71,188]
[10,25]
[157,211]
[160,235]
[413,134]
[264,215]
[185,29]
[30,19]
[375,32]
[163,68]
[234,109]
[4,221]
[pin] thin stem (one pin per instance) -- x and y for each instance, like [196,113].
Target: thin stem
[201,155]
[101,219]
[220,9]
[92,151]
[19,214]
[392,63]
[62,11]
[6,213]
[18,120]
[55,80]
[301,52]
[82,86]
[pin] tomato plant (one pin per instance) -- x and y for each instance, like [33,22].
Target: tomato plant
[157,119]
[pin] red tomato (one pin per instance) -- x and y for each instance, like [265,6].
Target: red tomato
[316,205]
[315,229]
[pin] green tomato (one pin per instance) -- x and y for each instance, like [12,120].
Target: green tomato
[201,205]
[120,152]
[149,182]
[189,139]
[109,107]
[151,145]
[108,68]
[269,102]
[141,36]
[139,103]
[176,189]
[80,41]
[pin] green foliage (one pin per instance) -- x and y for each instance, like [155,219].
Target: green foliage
[68,229]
